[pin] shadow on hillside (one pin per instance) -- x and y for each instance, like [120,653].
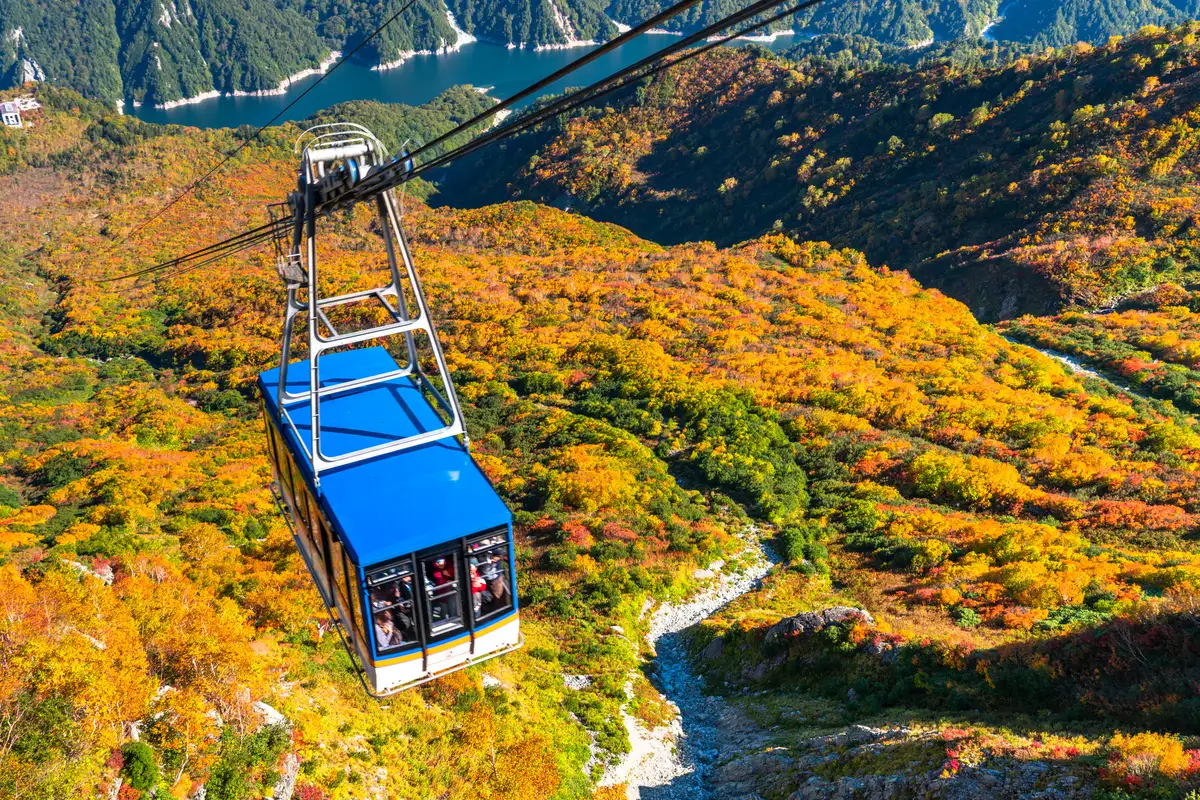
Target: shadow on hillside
[1143,671]
[854,159]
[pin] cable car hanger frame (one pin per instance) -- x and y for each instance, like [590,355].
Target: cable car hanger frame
[357,152]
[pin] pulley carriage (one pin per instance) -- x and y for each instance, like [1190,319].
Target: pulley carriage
[407,541]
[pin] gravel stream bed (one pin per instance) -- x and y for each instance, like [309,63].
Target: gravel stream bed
[675,761]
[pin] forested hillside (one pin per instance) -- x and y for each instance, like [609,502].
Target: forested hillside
[1064,179]
[1024,540]
[902,24]
[162,51]
[1062,22]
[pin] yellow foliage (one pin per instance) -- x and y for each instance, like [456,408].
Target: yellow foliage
[949,596]
[589,479]
[1149,755]
[526,770]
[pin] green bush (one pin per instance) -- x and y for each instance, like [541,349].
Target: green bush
[801,544]
[9,497]
[139,770]
[62,469]
[966,617]
[213,400]
[539,383]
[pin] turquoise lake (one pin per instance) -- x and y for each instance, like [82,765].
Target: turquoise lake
[505,71]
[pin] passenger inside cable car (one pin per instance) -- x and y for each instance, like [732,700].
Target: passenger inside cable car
[426,612]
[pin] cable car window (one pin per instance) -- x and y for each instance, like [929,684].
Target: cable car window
[302,500]
[389,573]
[281,464]
[339,568]
[295,480]
[441,587]
[391,596]
[491,591]
[320,533]
[351,582]
[271,448]
[495,540]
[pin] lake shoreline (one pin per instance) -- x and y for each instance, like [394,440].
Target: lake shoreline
[278,91]
[414,80]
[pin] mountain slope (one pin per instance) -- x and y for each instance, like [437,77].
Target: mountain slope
[1058,180]
[638,407]
[165,51]
[538,22]
[1068,21]
[904,23]
[161,51]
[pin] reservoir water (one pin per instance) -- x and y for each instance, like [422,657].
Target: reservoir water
[418,80]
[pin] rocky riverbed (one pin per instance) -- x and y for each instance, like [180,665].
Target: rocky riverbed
[677,761]
[711,750]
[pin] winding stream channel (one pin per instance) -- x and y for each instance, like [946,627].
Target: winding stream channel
[675,761]
[1079,368]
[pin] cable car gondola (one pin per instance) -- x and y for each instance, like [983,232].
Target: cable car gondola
[408,543]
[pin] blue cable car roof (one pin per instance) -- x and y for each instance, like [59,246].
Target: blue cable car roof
[397,503]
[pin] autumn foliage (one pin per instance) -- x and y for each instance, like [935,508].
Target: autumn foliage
[1021,531]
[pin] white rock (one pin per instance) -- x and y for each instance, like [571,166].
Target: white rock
[577,682]
[270,715]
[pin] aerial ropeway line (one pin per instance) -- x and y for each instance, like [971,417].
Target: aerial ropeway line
[408,543]
[404,169]
[621,80]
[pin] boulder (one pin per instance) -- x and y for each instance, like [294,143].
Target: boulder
[767,772]
[714,650]
[810,622]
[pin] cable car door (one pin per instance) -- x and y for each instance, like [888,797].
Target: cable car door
[441,575]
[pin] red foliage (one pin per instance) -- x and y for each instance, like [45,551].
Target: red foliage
[1136,515]
[577,534]
[614,532]
[309,791]
[1129,367]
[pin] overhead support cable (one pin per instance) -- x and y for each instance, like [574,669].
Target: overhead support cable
[623,78]
[192,267]
[256,235]
[537,86]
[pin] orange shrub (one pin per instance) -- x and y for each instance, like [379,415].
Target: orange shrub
[1020,618]
[1144,757]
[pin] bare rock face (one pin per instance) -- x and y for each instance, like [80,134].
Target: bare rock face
[714,650]
[811,622]
[766,772]
[287,778]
